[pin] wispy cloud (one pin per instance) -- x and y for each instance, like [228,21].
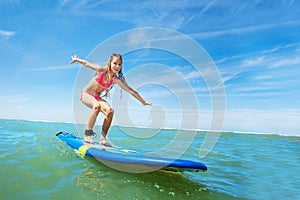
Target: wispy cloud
[258,55]
[285,62]
[178,14]
[266,57]
[241,7]
[273,60]
[265,73]
[167,14]
[242,30]
[52,68]
[6,34]
[253,62]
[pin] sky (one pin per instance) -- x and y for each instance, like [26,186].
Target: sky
[254,46]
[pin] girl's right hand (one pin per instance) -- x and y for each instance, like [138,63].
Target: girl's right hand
[74,59]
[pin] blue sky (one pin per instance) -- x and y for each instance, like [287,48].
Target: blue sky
[254,44]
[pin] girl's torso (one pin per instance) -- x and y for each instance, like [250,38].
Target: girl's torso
[98,83]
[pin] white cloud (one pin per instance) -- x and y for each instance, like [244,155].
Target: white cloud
[57,67]
[260,54]
[169,14]
[278,48]
[286,62]
[241,30]
[253,62]
[262,77]
[263,60]
[6,34]
[182,14]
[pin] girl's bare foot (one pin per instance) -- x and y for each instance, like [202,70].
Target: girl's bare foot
[88,140]
[105,143]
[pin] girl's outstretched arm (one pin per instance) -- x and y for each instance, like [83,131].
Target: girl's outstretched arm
[87,64]
[135,94]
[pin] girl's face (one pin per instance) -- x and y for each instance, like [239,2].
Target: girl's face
[116,64]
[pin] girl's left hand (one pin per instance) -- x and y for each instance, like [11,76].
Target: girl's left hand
[147,103]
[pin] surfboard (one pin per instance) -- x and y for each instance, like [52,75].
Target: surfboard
[129,160]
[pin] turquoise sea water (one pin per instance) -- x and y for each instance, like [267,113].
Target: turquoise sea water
[35,164]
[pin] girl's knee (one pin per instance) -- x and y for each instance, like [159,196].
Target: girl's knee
[97,108]
[110,112]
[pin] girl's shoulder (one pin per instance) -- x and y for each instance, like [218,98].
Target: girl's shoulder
[100,70]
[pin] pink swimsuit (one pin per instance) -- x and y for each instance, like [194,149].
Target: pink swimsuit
[99,79]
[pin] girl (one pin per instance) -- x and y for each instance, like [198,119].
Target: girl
[104,78]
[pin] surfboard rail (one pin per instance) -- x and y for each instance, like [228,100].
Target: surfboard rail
[128,157]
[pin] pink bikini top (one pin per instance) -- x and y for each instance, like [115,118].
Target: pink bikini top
[100,79]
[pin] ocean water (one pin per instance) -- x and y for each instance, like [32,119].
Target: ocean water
[35,164]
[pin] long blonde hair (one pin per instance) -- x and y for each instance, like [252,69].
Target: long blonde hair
[107,77]
[108,64]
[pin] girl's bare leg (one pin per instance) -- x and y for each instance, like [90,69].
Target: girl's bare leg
[92,103]
[105,127]
[108,112]
[93,117]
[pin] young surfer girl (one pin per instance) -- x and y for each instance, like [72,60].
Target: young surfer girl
[104,78]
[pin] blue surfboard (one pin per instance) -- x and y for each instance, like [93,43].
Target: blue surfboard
[128,160]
